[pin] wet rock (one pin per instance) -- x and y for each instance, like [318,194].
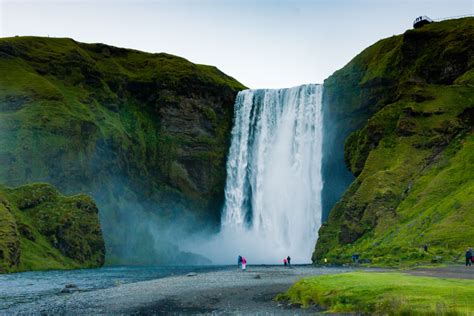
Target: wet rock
[407,126]
[26,231]
[257,276]
[69,288]
[191,274]
[409,187]
[11,103]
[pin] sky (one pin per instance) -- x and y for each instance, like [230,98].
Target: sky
[263,44]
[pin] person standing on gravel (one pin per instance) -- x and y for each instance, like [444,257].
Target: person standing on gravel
[289,261]
[468,256]
[239,261]
[244,263]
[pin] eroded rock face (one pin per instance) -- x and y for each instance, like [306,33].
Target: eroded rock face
[9,238]
[402,109]
[41,229]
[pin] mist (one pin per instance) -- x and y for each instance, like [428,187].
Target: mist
[138,231]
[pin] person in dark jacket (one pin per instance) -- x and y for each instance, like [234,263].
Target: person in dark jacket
[468,256]
[239,261]
[289,261]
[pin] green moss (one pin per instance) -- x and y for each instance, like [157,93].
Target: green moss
[413,156]
[42,230]
[384,293]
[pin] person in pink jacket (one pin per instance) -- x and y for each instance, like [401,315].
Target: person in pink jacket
[244,263]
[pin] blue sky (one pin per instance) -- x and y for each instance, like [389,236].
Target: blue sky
[263,44]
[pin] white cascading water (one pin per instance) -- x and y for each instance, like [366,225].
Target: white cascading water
[273,191]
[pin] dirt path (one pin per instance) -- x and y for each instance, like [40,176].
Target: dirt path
[456,272]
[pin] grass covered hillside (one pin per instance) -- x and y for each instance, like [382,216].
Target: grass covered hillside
[409,101]
[40,229]
[145,134]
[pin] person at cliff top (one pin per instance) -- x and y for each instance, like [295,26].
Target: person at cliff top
[284,261]
[239,261]
[468,256]
[289,261]
[244,263]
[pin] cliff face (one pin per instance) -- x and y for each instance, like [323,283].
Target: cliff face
[409,102]
[145,134]
[41,229]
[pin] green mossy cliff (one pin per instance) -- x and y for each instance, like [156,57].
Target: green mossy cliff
[145,134]
[41,229]
[409,102]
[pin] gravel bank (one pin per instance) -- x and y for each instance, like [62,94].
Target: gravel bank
[222,292]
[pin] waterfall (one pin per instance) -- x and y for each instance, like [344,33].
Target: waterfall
[273,189]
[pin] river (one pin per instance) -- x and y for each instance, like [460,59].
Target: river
[42,286]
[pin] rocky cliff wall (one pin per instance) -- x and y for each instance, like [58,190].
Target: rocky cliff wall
[404,108]
[145,134]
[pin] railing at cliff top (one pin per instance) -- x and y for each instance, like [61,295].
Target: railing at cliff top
[423,19]
[452,17]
